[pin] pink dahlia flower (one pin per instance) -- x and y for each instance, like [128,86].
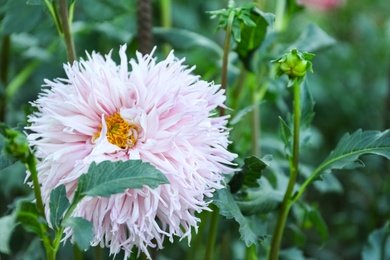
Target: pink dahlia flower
[321,4]
[159,113]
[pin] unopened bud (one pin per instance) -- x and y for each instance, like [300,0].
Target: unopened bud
[294,64]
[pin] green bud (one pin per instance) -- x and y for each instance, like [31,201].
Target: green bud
[17,145]
[294,64]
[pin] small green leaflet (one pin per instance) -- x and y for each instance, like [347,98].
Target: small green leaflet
[223,199]
[28,216]
[82,231]
[58,205]
[107,178]
[351,147]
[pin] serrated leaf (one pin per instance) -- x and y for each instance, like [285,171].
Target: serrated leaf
[27,214]
[351,147]
[107,178]
[378,244]
[223,199]
[82,231]
[7,224]
[184,40]
[313,38]
[58,205]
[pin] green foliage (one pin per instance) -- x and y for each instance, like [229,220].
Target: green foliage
[82,231]
[378,244]
[7,224]
[58,204]
[224,200]
[351,147]
[107,178]
[27,214]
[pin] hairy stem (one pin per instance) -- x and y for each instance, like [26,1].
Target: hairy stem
[288,200]
[66,30]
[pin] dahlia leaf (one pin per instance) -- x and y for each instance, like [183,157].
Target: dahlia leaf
[58,204]
[260,201]
[224,200]
[7,224]
[351,147]
[107,178]
[5,159]
[250,173]
[378,244]
[82,231]
[30,219]
[313,38]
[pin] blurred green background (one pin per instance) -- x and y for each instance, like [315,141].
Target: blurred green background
[350,86]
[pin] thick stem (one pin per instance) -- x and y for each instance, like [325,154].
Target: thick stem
[144,16]
[288,200]
[279,15]
[67,33]
[32,167]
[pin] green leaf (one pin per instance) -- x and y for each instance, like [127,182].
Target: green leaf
[250,173]
[351,147]
[291,254]
[240,114]
[313,38]
[260,201]
[318,222]
[58,205]
[34,251]
[82,231]
[107,178]
[307,106]
[378,244]
[287,134]
[27,214]
[252,35]
[184,40]
[7,224]
[223,199]
[5,159]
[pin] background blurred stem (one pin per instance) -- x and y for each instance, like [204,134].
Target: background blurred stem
[144,17]
[166,20]
[67,32]
[288,200]
[279,14]
[212,233]
[4,62]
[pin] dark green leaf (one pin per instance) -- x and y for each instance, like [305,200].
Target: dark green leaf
[312,39]
[34,251]
[223,199]
[7,224]
[351,147]
[307,106]
[184,40]
[82,231]
[5,159]
[250,173]
[287,134]
[58,205]
[243,112]
[378,244]
[28,216]
[107,178]
[291,254]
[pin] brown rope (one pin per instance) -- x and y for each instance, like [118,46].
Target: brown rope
[144,16]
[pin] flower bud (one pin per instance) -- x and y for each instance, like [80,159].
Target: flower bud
[17,145]
[294,64]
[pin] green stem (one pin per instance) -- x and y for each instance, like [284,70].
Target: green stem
[225,60]
[32,167]
[67,33]
[212,233]
[251,253]
[4,62]
[288,199]
[279,14]
[166,20]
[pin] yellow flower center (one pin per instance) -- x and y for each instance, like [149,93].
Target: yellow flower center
[120,132]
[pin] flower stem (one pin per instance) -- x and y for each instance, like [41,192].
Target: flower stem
[288,200]
[166,20]
[279,13]
[225,60]
[212,233]
[66,30]
[32,167]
